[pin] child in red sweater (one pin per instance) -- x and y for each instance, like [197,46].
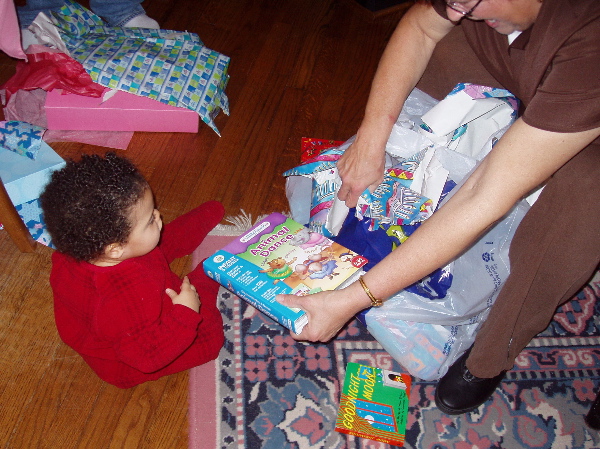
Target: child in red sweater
[116,301]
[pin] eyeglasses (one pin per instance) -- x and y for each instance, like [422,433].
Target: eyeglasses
[459,8]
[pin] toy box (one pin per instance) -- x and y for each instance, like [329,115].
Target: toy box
[280,256]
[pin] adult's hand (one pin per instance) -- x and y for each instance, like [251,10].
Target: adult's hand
[360,167]
[401,66]
[327,311]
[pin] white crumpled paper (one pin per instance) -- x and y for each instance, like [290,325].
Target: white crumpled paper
[426,159]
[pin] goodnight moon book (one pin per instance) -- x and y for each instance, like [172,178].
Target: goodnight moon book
[374,404]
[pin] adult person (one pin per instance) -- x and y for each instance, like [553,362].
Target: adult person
[547,54]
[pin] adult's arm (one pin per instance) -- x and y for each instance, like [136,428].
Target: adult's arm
[523,159]
[400,68]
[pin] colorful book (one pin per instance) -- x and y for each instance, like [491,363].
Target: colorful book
[281,256]
[374,404]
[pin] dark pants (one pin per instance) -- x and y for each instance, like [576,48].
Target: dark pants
[555,251]
[556,248]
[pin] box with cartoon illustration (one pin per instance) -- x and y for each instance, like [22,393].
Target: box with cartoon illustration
[280,256]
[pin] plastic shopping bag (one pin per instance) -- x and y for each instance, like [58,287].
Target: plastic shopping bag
[428,329]
[466,286]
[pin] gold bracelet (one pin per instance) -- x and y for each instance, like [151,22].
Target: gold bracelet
[374,301]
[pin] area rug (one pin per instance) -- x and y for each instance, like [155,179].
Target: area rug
[268,391]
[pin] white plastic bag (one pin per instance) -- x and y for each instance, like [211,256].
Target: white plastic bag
[428,326]
[427,332]
[468,285]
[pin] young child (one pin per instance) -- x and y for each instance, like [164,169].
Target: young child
[116,301]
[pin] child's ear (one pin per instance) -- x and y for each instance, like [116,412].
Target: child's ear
[114,251]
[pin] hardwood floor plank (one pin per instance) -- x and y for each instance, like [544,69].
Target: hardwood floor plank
[99,430]
[170,416]
[137,415]
[54,402]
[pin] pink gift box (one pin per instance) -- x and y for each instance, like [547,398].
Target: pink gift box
[121,112]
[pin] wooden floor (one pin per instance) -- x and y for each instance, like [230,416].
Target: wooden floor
[298,68]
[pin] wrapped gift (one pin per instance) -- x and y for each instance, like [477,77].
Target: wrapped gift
[120,111]
[169,66]
[25,178]
[311,147]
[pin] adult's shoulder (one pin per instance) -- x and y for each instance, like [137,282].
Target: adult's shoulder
[565,46]
[564,17]
[579,6]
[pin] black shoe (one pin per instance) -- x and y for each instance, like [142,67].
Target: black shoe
[592,419]
[459,391]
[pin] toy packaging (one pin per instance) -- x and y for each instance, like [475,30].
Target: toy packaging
[280,256]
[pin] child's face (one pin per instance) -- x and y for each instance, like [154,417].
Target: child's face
[146,225]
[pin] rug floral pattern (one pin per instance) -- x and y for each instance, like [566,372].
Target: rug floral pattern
[277,393]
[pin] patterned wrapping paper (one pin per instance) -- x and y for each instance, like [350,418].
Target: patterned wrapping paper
[173,67]
[33,217]
[392,204]
[21,138]
[311,147]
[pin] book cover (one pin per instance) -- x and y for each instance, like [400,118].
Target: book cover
[374,404]
[281,256]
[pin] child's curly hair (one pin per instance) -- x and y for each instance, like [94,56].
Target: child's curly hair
[87,203]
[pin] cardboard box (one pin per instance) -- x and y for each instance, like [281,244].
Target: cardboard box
[25,178]
[121,112]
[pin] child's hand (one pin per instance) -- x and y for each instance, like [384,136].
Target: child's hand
[188,296]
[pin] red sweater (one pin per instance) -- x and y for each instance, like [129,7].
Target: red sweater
[121,320]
